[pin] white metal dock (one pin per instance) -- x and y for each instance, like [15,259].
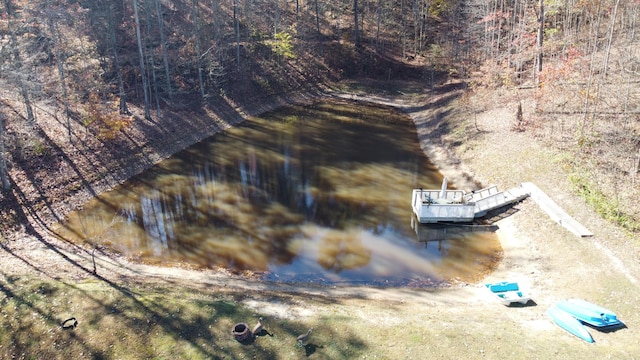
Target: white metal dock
[433,206]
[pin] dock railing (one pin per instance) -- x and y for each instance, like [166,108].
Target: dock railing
[431,206]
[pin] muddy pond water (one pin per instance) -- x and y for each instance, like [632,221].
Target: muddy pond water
[317,193]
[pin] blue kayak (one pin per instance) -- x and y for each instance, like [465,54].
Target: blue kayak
[569,323]
[589,313]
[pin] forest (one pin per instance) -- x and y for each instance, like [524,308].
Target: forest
[100,68]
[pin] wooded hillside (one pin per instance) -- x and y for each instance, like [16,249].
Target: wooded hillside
[98,68]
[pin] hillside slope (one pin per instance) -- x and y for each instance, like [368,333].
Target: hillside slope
[85,114]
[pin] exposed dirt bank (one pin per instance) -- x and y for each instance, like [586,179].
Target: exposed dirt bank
[455,323]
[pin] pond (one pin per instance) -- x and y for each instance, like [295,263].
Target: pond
[316,193]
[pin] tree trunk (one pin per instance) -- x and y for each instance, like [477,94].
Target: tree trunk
[356,33]
[276,18]
[318,32]
[539,41]
[607,51]
[152,63]
[493,27]
[403,29]
[143,72]
[17,63]
[163,49]
[55,35]
[196,38]
[499,30]
[423,24]
[318,20]
[587,96]
[378,20]
[122,94]
[236,22]
[4,177]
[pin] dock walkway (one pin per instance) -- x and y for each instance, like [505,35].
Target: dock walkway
[490,198]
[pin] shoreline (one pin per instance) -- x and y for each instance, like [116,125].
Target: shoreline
[450,167]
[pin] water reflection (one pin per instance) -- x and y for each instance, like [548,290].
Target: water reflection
[313,193]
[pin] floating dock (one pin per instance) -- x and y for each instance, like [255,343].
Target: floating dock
[433,206]
[457,206]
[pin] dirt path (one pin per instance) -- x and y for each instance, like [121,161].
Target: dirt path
[460,322]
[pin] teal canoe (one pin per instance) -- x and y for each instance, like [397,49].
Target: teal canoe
[589,313]
[569,323]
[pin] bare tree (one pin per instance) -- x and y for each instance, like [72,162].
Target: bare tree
[18,71]
[378,22]
[4,177]
[113,44]
[356,32]
[50,15]
[276,19]
[539,39]
[236,22]
[143,72]
[196,37]
[152,61]
[163,48]
[318,32]
[594,50]
[605,63]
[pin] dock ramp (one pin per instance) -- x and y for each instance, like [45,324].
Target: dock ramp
[490,198]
